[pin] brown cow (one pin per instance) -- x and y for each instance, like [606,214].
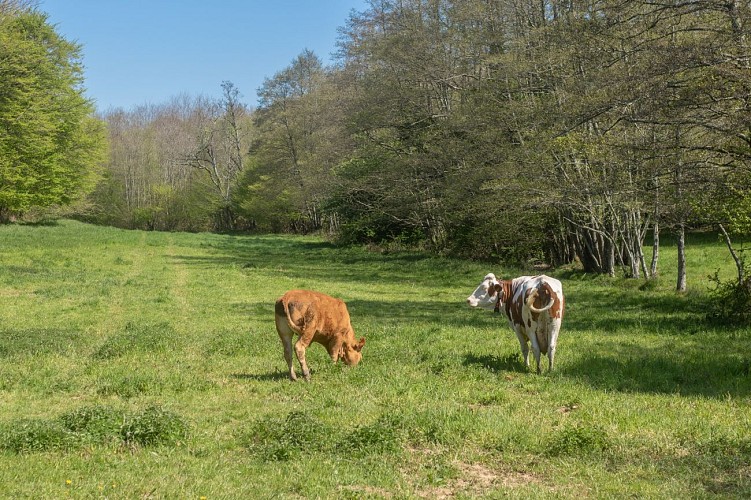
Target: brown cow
[315,317]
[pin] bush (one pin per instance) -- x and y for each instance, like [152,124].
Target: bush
[730,300]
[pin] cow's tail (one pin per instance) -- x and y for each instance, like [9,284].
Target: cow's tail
[531,301]
[283,314]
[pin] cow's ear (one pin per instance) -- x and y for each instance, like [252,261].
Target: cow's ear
[495,288]
[358,347]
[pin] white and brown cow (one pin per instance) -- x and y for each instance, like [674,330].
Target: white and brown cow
[315,317]
[533,306]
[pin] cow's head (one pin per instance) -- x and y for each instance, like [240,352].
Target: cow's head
[351,352]
[485,295]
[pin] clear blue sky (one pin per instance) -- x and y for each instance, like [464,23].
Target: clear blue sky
[147,51]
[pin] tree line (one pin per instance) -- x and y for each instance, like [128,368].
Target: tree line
[526,130]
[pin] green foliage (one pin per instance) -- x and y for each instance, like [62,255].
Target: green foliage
[27,436]
[385,435]
[293,151]
[578,439]
[33,342]
[95,424]
[99,422]
[284,438]
[153,426]
[730,300]
[50,146]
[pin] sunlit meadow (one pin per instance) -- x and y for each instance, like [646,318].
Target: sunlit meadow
[144,364]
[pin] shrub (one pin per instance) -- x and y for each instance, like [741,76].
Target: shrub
[731,300]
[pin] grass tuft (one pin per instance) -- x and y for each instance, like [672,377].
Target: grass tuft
[577,440]
[27,436]
[385,435]
[98,421]
[137,337]
[284,438]
[154,426]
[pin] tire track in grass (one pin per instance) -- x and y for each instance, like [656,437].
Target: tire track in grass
[178,285]
[114,320]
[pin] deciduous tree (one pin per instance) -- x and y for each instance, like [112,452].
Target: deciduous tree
[51,147]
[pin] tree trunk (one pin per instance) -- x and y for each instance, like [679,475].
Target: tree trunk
[738,260]
[681,285]
[655,249]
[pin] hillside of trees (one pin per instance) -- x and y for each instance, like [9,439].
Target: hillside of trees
[527,130]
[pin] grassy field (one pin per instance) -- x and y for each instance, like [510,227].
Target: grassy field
[138,364]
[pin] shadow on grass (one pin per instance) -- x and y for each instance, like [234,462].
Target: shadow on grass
[313,260]
[40,223]
[436,313]
[693,373]
[495,364]
[261,377]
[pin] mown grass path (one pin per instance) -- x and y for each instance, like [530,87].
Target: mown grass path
[140,364]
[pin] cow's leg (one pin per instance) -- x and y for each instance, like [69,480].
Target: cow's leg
[306,337]
[525,347]
[555,327]
[535,351]
[285,334]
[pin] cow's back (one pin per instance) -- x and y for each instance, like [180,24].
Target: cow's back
[530,323]
[306,309]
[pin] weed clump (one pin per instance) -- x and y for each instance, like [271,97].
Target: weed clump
[282,438]
[385,435]
[136,338]
[578,440]
[27,436]
[93,425]
[154,426]
[98,422]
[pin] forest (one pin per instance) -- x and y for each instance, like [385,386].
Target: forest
[522,130]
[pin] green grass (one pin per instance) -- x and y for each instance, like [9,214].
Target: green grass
[136,364]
